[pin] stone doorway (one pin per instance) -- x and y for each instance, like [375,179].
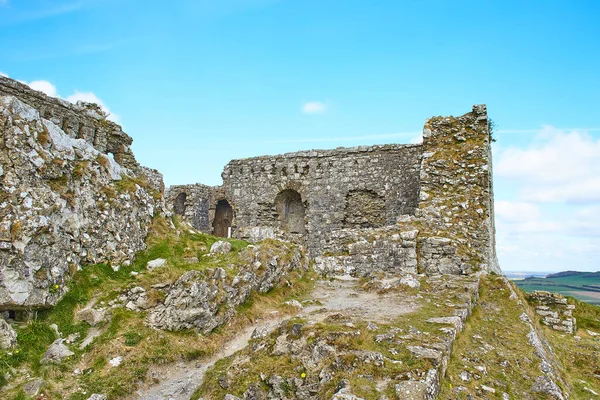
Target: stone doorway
[179,205]
[291,211]
[223,219]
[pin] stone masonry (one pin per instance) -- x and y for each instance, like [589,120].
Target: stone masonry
[71,193]
[554,310]
[424,208]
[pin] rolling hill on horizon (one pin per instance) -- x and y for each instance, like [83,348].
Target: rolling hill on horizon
[584,286]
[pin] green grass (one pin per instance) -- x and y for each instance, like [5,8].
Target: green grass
[579,356]
[503,340]
[126,333]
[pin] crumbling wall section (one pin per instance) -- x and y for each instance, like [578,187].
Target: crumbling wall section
[456,198]
[354,208]
[359,252]
[80,121]
[193,202]
[63,204]
[326,181]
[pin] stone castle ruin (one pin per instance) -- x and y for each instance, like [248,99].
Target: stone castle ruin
[412,224]
[398,208]
[73,194]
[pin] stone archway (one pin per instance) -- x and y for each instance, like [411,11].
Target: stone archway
[291,211]
[223,219]
[179,205]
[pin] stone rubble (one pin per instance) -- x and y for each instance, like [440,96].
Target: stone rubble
[555,311]
[8,336]
[220,247]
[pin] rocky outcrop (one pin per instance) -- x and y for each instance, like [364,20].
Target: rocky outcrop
[203,300]
[64,203]
[351,350]
[56,353]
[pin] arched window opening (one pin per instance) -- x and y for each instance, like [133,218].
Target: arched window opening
[291,211]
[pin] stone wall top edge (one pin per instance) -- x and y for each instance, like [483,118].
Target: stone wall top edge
[9,86]
[321,153]
[191,186]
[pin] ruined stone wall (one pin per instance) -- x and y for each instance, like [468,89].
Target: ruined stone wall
[361,187]
[82,120]
[456,198]
[398,208]
[63,202]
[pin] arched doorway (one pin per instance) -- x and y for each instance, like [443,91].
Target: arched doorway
[179,205]
[291,210]
[223,219]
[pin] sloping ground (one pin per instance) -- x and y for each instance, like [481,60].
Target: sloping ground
[504,353]
[110,349]
[579,354]
[375,339]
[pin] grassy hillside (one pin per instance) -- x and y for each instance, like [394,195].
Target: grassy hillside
[584,286]
[126,334]
[503,358]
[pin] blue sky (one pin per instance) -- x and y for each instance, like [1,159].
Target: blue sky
[197,83]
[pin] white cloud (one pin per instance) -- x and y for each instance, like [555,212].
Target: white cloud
[90,97]
[548,202]
[516,211]
[314,107]
[558,167]
[3,74]
[44,87]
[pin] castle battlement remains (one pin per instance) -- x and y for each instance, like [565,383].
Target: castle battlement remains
[399,208]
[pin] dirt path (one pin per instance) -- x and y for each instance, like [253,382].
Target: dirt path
[179,381]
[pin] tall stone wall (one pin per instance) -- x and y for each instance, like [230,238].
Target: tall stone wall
[456,195]
[397,208]
[63,202]
[342,188]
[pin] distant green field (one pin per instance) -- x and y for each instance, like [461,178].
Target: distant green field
[584,286]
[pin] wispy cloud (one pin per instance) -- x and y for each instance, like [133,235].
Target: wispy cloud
[550,216]
[19,15]
[314,107]
[559,166]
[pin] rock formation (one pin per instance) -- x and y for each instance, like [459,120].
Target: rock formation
[71,193]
